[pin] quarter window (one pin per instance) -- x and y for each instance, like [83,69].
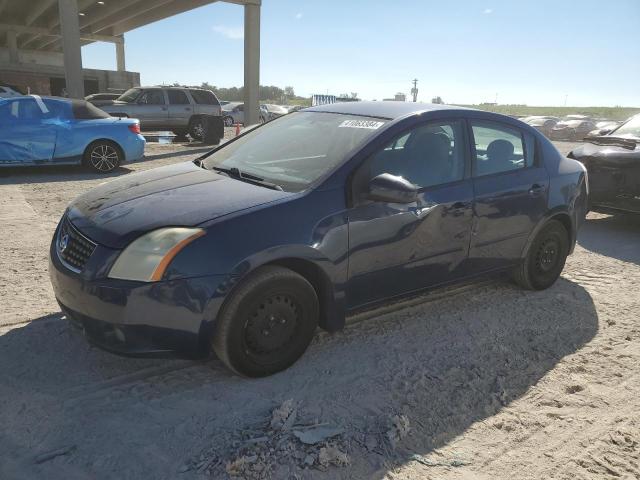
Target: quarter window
[177,97]
[500,148]
[432,154]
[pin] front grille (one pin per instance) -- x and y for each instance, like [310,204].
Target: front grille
[74,249]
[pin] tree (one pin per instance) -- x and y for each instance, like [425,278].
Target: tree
[288,91]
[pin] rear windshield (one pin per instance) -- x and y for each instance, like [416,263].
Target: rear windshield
[204,97]
[86,111]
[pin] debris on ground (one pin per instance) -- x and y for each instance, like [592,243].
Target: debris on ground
[398,430]
[279,444]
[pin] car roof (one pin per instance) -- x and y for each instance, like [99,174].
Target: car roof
[390,110]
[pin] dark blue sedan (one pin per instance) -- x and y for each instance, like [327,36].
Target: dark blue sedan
[291,226]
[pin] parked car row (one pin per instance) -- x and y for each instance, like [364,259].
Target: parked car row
[571,127]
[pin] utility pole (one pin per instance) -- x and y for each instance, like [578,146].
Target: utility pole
[414,90]
[565,99]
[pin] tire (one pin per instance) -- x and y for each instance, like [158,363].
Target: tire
[228,121]
[103,156]
[196,128]
[267,323]
[545,259]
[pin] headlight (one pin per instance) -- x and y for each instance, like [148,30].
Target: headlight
[147,258]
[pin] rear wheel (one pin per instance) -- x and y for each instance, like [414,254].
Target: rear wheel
[103,156]
[545,259]
[196,128]
[267,323]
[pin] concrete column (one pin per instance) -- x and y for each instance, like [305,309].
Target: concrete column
[120,55]
[251,64]
[70,28]
[12,43]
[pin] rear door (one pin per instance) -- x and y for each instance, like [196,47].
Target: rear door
[180,109]
[25,135]
[152,109]
[511,189]
[397,248]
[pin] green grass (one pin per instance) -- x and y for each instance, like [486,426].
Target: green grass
[612,113]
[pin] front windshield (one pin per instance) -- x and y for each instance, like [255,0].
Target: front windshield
[629,129]
[296,150]
[130,95]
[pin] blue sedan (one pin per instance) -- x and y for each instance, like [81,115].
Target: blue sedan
[57,131]
[297,223]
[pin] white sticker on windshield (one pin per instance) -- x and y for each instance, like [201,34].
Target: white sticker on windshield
[370,124]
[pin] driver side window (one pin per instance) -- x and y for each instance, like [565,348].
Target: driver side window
[428,155]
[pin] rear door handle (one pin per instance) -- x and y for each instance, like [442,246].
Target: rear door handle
[536,189]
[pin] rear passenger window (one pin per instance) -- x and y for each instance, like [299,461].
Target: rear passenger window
[500,148]
[177,97]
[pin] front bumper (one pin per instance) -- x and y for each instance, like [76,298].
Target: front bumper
[137,318]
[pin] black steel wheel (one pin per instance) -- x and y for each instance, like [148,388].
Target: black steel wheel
[545,259]
[267,323]
[103,156]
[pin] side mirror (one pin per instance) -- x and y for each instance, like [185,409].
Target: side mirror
[393,189]
[605,131]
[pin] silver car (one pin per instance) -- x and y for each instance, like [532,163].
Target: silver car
[178,109]
[233,112]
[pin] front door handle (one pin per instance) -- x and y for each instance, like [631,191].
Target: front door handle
[188,109]
[536,189]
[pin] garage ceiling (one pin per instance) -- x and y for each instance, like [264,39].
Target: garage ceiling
[37,22]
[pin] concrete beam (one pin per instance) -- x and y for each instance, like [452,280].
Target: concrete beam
[251,64]
[70,27]
[120,60]
[46,33]
[53,25]
[38,9]
[12,43]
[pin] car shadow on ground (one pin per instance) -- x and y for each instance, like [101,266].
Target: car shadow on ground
[445,364]
[56,173]
[616,236]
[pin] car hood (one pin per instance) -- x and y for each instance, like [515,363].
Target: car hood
[116,212]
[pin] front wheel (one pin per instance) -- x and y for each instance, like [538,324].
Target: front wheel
[545,259]
[267,323]
[228,121]
[103,156]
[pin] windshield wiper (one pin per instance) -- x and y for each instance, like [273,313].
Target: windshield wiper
[234,172]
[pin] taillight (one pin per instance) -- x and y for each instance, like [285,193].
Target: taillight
[135,128]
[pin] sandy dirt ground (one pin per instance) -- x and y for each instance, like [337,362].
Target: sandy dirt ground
[479,381]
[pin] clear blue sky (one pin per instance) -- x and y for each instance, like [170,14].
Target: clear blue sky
[466,51]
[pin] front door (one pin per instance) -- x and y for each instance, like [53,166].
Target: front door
[511,189]
[152,110]
[398,248]
[25,135]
